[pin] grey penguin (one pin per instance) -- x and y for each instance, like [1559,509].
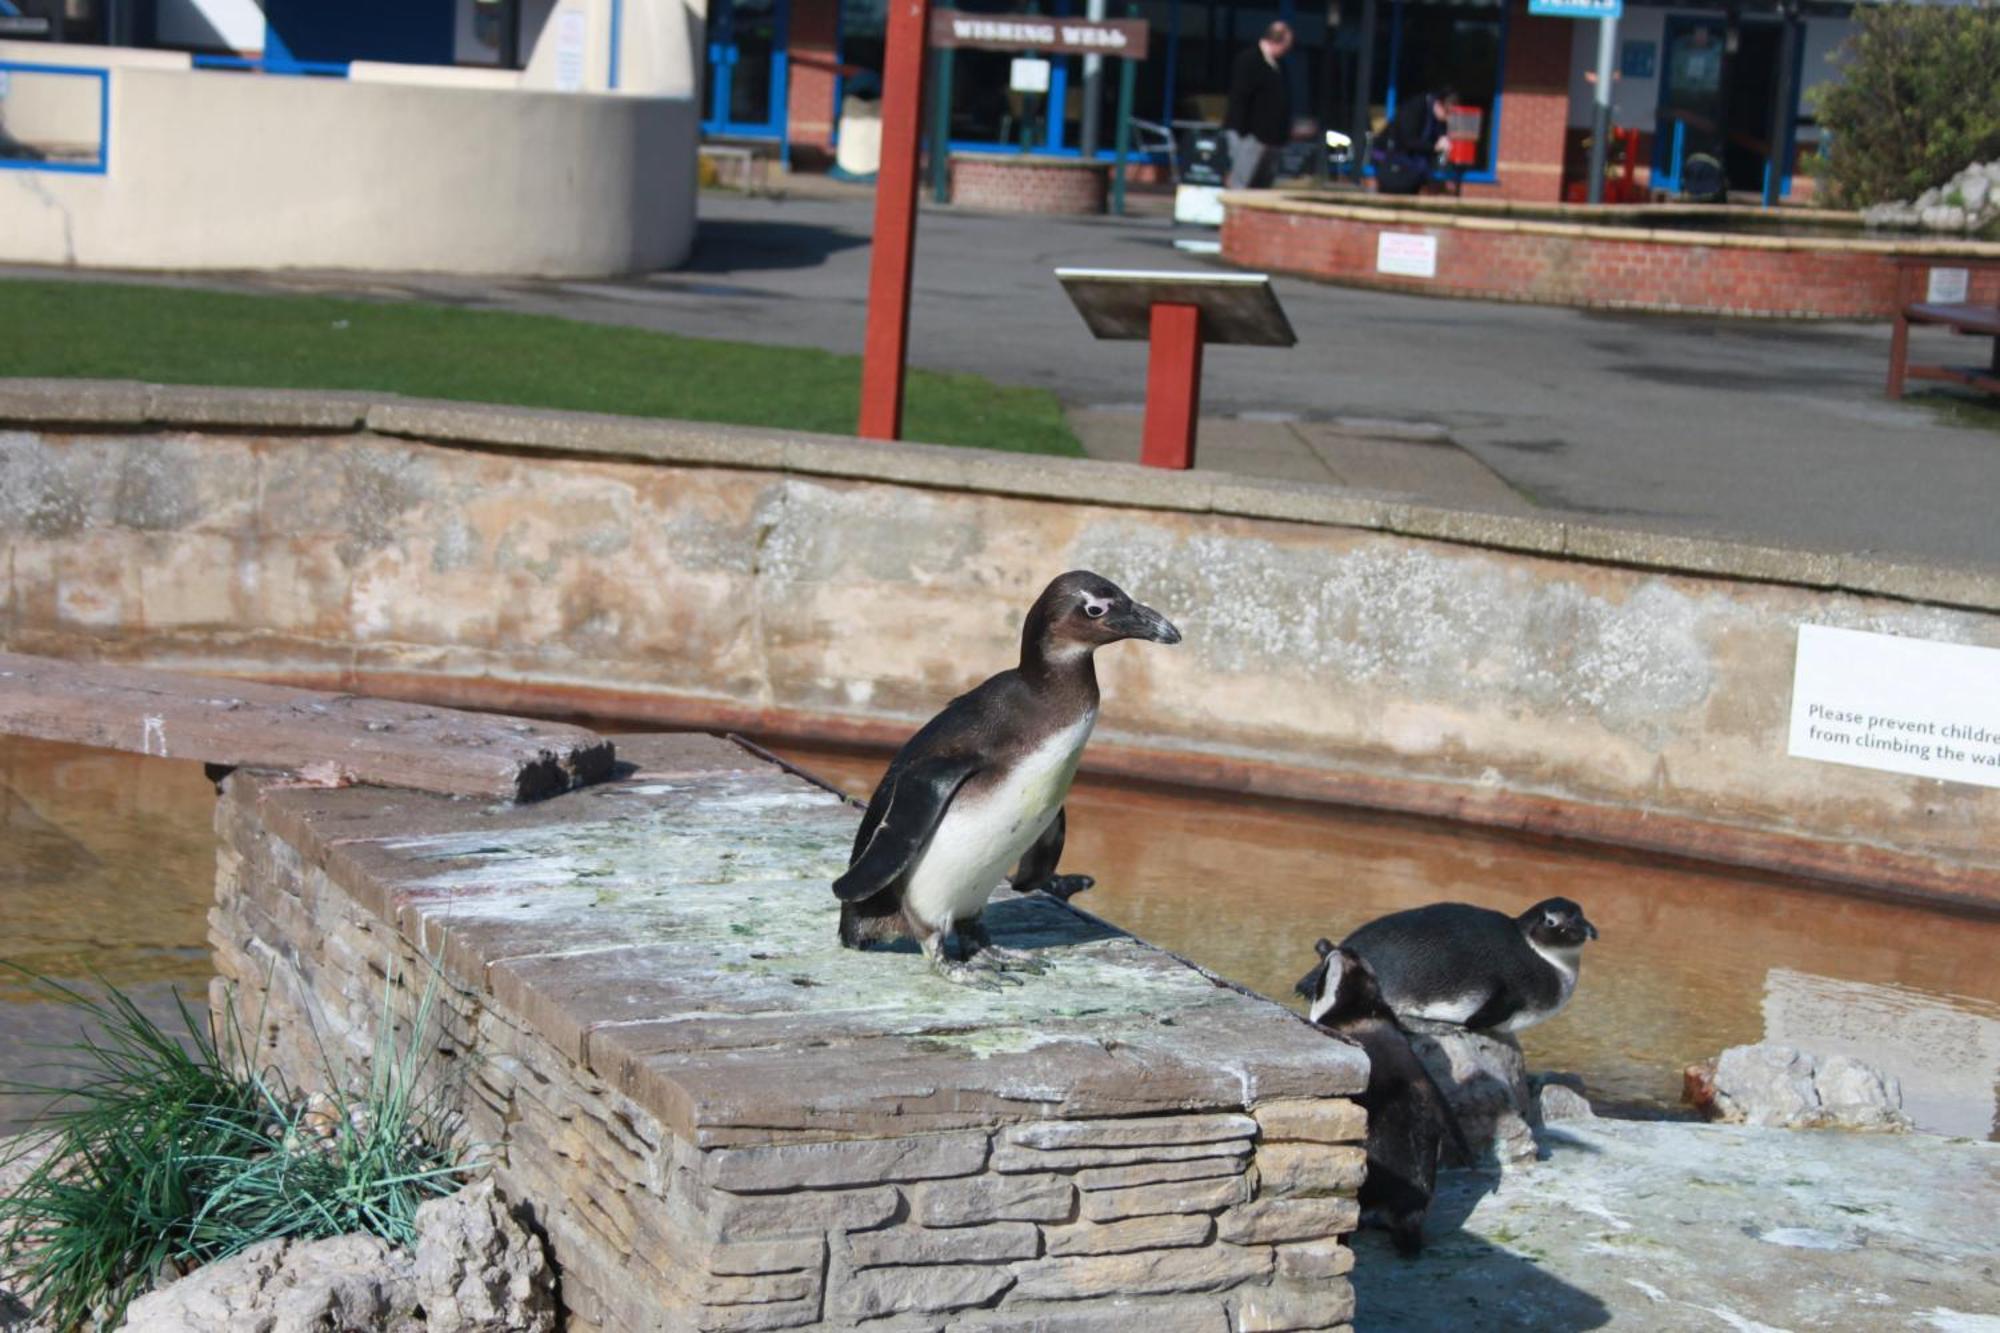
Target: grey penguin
[1408,1116]
[979,790]
[1481,969]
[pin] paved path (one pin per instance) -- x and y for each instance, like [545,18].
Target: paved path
[1766,431]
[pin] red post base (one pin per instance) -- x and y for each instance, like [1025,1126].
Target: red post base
[1173,387]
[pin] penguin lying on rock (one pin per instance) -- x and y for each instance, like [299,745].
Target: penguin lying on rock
[979,790]
[1480,969]
[1408,1116]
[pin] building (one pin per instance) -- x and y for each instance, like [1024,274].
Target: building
[542,137]
[777,70]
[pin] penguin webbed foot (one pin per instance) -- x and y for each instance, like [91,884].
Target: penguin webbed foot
[1007,960]
[966,971]
[1061,887]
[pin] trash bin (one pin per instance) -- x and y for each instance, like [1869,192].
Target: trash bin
[859,153]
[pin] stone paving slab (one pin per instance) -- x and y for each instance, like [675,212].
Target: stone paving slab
[330,738]
[674,931]
[1670,1227]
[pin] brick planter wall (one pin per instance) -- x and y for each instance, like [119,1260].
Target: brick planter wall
[1558,264]
[1003,183]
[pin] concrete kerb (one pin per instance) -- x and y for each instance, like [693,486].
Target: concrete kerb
[106,405]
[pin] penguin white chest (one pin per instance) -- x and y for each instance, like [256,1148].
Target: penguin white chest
[984,834]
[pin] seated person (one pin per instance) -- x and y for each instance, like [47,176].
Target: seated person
[1406,157]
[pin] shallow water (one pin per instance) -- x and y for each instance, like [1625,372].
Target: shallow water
[107,864]
[1690,960]
[107,867]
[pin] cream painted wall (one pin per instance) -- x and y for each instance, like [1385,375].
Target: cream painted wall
[222,170]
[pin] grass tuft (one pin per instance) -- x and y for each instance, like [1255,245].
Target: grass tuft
[171,1152]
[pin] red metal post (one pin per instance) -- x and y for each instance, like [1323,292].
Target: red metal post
[885,355]
[1173,386]
[1899,353]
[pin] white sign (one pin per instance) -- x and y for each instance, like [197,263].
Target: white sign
[1028,75]
[572,35]
[1914,706]
[1949,286]
[1406,254]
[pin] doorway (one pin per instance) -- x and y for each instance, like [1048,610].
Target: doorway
[745,69]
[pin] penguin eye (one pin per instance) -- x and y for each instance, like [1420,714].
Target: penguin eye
[1095,610]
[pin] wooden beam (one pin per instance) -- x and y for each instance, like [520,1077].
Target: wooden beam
[333,738]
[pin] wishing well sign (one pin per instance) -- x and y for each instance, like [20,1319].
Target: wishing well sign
[1914,706]
[1033,32]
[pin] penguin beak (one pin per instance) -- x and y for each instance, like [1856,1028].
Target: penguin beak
[1588,929]
[1143,622]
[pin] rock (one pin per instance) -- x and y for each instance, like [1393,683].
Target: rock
[478,1269]
[1783,1086]
[957,1203]
[1559,1097]
[1327,1120]
[1967,202]
[1485,1079]
[1167,1232]
[348,1283]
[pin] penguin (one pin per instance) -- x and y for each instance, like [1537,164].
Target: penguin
[1481,969]
[978,791]
[1408,1116]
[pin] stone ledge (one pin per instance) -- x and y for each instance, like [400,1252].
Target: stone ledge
[721,1122]
[104,405]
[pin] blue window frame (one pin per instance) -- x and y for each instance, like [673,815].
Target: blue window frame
[97,166]
[748,68]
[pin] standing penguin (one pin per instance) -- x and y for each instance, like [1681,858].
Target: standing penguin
[979,790]
[1481,969]
[1407,1114]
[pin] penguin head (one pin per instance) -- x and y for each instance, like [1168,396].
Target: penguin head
[1082,610]
[1556,923]
[1340,986]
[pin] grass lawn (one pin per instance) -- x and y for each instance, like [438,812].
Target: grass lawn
[170,335]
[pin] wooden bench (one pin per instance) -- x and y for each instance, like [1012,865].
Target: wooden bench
[1963,318]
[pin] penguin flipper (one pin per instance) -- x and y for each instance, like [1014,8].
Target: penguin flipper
[916,806]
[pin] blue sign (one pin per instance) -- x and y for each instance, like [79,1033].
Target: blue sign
[1577,9]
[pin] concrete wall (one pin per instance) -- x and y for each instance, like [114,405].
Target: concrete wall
[213,169]
[1537,674]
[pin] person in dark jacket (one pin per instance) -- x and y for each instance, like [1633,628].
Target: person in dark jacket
[1260,110]
[1408,157]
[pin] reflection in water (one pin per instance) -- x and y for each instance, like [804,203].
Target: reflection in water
[1690,961]
[107,865]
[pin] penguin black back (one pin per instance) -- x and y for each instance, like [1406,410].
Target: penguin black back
[1457,963]
[1408,1117]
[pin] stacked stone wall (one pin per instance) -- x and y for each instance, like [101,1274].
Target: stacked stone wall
[1228,1219]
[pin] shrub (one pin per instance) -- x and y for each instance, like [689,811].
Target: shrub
[173,1152]
[1916,101]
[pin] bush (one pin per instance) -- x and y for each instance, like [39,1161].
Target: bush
[173,1153]
[1916,102]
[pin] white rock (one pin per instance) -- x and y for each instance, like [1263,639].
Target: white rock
[1783,1086]
[1976,190]
[1485,1079]
[281,1286]
[478,1270]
